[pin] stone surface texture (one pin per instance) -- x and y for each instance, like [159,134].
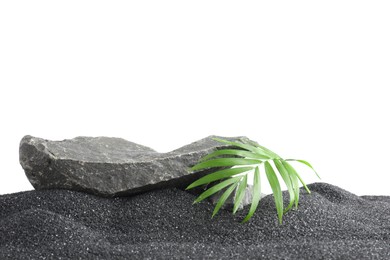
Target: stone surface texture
[109,166]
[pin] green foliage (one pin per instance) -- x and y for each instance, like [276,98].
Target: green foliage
[235,163]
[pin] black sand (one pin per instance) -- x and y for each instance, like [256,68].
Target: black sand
[331,223]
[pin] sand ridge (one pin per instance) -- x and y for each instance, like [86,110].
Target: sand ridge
[331,223]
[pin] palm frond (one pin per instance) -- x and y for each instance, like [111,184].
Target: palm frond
[256,195]
[216,188]
[294,182]
[242,153]
[293,172]
[248,147]
[223,198]
[239,160]
[222,174]
[287,180]
[240,193]
[275,186]
[307,164]
[224,162]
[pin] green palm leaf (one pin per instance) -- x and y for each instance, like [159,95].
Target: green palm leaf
[294,182]
[272,154]
[248,147]
[293,172]
[240,193]
[223,198]
[224,162]
[285,176]
[256,195]
[251,155]
[216,188]
[275,186]
[242,153]
[305,163]
[222,174]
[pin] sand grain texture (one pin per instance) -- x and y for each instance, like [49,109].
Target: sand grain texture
[331,223]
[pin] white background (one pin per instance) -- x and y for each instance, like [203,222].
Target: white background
[307,79]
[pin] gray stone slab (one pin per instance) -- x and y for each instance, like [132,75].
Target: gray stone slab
[110,167]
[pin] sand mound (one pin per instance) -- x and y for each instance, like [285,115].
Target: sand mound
[330,223]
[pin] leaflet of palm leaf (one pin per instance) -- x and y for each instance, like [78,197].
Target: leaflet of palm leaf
[235,163]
